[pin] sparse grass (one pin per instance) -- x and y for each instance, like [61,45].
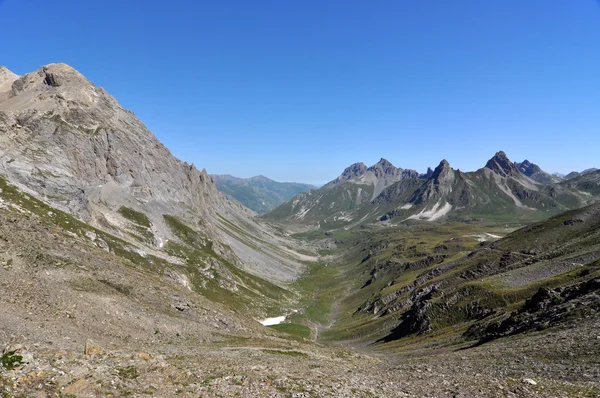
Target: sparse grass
[11,360]
[135,216]
[127,372]
[250,293]
[286,352]
[293,329]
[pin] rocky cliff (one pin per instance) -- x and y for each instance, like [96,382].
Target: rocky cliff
[70,143]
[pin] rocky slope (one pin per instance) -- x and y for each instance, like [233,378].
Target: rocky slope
[259,193]
[71,144]
[85,319]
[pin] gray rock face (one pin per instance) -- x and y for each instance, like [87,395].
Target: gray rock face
[439,185]
[71,143]
[64,137]
[534,172]
[352,171]
[501,165]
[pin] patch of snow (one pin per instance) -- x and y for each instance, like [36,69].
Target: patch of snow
[140,252]
[302,213]
[343,217]
[406,206]
[273,321]
[433,214]
[484,237]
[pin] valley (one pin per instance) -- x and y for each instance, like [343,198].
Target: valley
[127,272]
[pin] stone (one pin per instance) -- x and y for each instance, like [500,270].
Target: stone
[77,387]
[92,349]
[529,381]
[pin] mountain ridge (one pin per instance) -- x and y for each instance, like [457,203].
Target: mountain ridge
[259,193]
[498,187]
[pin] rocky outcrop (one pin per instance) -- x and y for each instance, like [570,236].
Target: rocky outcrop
[544,309]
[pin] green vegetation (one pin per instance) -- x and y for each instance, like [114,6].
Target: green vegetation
[127,372]
[293,329]
[135,216]
[214,276]
[10,360]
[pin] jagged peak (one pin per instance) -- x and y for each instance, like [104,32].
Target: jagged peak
[383,163]
[354,169]
[442,168]
[53,75]
[524,163]
[384,167]
[500,164]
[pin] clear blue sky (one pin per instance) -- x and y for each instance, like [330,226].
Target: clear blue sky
[298,90]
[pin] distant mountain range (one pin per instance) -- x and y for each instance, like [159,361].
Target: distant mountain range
[259,193]
[500,190]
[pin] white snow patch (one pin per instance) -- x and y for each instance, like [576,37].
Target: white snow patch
[343,217]
[300,215]
[273,321]
[433,214]
[484,237]
[406,206]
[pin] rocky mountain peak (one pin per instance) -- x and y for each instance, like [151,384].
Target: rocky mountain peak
[6,80]
[6,74]
[354,170]
[52,75]
[429,173]
[90,146]
[500,164]
[443,169]
[260,178]
[528,168]
[384,167]
[383,163]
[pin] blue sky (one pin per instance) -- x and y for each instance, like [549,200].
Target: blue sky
[298,90]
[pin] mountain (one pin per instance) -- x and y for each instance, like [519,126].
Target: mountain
[574,174]
[259,193]
[71,144]
[382,174]
[356,186]
[587,182]
[500,190]
[534,172]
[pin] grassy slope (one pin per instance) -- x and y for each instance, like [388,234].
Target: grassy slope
[209,273]
[464,271]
